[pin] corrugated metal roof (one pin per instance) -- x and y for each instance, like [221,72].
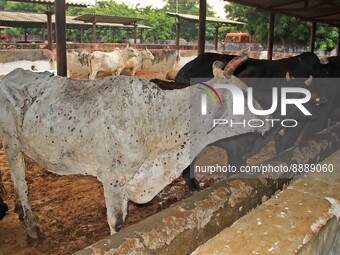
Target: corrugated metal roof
[324,11]
[195,18]
[28,19]
[67,2]
[90,17]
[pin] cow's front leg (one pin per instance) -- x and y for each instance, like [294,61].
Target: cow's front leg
[17,169]
[116,203]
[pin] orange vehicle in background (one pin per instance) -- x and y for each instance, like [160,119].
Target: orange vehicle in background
[237,38]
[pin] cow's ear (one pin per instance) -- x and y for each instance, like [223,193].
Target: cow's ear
[309,81]
[288,77]
[129,44]
[217,69]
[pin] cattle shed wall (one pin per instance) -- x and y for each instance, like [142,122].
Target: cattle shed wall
[188,224]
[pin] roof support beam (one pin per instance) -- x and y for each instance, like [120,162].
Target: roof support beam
[60,25]
[49,14]
[338,47]
[178,32]
[135,33]
[271,36]
[312,37]
[94,30]
[201,26]
[282,3]
[217,26]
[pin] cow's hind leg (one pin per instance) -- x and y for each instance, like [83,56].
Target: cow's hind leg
[17,168]
[116,203]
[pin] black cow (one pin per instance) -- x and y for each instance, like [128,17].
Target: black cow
[240,148]
[328,84]
[303,66]
[201,67]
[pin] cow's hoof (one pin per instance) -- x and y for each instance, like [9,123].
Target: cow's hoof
[34,233]
[3,210]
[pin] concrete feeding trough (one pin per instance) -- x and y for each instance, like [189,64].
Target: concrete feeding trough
[184,226]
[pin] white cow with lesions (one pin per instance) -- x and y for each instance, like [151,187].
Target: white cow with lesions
[133,136]
[110,62]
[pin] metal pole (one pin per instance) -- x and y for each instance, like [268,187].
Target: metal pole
[135,33]
[43,35]
[60,27]
[312,37]
[271,36]
[201,26]
[113,34]
[49,29]
[216,36]
[178,31]
[94,31]
[25,31]
[141,35]
[338,48]
[81,35]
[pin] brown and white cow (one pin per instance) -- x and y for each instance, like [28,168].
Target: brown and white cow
[110,62]
[133,136]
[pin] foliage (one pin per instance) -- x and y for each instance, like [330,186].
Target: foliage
[289,31]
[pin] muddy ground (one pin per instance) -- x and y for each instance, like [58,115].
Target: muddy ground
[71,211]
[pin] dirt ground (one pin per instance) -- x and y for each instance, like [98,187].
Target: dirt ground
[71,211]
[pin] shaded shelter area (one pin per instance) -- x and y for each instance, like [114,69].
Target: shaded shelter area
[110,19]
[188,18]
[314,11]
[67,3]
[36,20]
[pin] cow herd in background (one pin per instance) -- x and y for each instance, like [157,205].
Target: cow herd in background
[113,63]
[170,113]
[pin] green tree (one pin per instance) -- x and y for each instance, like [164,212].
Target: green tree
[189,31]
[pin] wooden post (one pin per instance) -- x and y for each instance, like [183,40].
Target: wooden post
[60,28]
[201,26]
[312,37]
[271,36]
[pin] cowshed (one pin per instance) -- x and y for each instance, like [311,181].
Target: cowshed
[133,136]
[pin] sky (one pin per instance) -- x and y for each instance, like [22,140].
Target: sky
[218,5]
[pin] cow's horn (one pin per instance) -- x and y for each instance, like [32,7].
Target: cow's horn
[309,81]
[234,64]
[288,77]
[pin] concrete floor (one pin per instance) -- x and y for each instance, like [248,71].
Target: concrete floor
[302,219]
